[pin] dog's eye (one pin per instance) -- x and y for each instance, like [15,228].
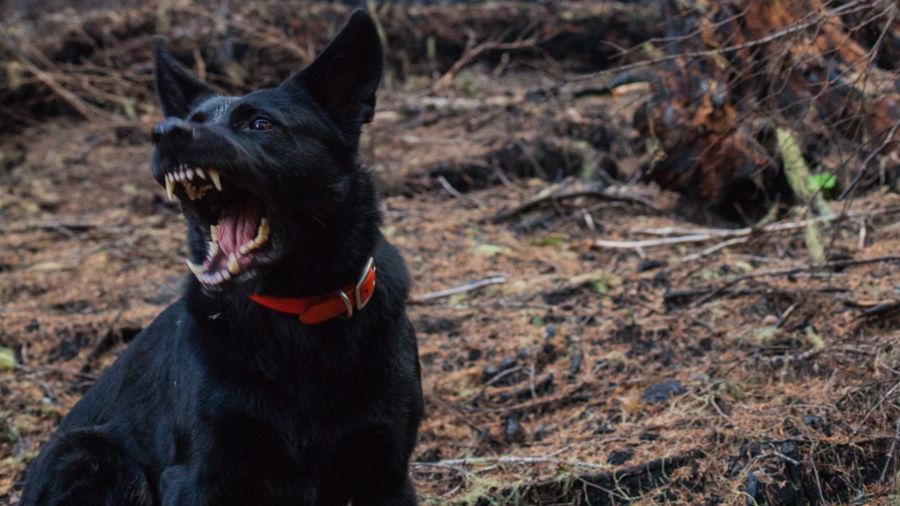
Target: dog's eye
[260,124]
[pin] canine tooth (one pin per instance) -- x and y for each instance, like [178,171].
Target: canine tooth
[196,269]
[262,233]
[214,176]
[214,232]
[200,173]
[233,267]
[170,189]
[245,248]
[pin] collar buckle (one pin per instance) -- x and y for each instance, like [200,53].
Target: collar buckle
[347,304]
[360,303]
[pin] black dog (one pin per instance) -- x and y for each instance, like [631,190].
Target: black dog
[288,372]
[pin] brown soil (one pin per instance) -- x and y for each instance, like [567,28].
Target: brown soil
[591,375]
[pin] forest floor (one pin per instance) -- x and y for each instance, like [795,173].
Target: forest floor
[583,373]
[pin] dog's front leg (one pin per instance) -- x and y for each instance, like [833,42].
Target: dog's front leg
[173,486]
[389,494]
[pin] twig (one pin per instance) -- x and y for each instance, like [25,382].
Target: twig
[488,45]
[792,270]
[70,98]
[879,403]
[862,170]
[714,248]
[649,243]
[456,193]
[890,455]
[468,287]
[615,195]
[722,50]
[708,234]
[508,459]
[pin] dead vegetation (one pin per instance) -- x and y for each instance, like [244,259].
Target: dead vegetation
[655,249]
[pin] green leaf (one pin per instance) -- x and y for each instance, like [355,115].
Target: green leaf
[7,359]
[822,181]
[549,240]
[814,338]
[128,108]
[600,286]
[486,250]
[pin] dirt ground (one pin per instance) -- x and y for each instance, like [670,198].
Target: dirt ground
[725,370]
[590,374]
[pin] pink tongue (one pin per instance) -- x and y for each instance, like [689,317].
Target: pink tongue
[238,224]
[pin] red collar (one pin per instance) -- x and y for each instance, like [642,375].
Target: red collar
[320,308]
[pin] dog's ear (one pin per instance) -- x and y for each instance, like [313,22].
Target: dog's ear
[176,88]
[343,79]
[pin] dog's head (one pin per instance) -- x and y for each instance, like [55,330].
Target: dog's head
[253,172]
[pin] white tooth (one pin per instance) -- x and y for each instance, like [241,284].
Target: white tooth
[214,232]
[245,248]
[200,173]
[220,277]
[262,233]
[190,174]
[225,275]
[211,249]
[196,269]
[170,189]
[233,267]
[214,175]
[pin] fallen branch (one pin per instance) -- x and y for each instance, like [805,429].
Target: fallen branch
[708,234]
[677,298]
[790,271]
[469,461]
[607,487]
[490,45]
[613,194]
[456,193]
[468,287]
[67,96]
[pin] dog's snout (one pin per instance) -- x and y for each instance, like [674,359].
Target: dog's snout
[172,129]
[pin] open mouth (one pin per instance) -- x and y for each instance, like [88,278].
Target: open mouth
[237,221]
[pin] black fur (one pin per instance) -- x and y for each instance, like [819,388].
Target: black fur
[221,401]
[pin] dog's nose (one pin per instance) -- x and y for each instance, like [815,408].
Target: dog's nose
[172,128]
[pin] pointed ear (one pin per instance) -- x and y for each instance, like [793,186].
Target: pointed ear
[176,88]
[343,79]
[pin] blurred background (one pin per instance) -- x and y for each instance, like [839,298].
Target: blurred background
[655,244]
